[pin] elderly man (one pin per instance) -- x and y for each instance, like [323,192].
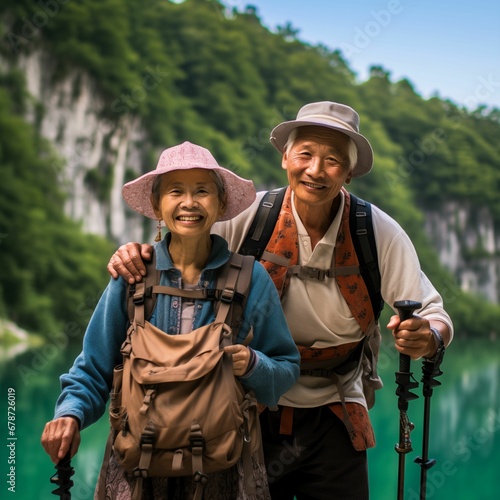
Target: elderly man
[315,443]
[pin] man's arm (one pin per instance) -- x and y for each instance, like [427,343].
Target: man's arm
[127,261]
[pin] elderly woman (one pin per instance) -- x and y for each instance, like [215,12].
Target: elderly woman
[189,191]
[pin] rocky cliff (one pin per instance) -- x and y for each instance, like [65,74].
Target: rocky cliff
[97,152]
[468,243]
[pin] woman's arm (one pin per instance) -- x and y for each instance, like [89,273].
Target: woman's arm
[278,361]
[85,388]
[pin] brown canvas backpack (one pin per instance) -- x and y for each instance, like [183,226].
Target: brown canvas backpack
[176,408]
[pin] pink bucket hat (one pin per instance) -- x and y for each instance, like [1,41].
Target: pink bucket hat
[240,192]
[330,115]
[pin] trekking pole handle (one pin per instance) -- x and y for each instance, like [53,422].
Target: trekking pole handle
[405,310]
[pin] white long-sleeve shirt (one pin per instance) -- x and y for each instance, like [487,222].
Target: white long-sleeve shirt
[316,312]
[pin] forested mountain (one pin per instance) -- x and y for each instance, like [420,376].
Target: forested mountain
[91,91]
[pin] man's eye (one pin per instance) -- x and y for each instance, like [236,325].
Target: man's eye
[332,159]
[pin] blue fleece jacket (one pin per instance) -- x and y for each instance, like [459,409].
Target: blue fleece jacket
[85,389]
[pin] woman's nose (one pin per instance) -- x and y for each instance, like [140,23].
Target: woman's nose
[189,201]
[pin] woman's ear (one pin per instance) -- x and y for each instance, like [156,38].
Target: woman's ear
[222,206]
[156,210]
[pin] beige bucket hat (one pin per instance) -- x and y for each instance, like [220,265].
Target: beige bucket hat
[331,115]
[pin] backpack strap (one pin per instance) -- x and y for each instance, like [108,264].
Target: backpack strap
[363,237]
[138,295]
[234,281]
[263,223]
[233,285]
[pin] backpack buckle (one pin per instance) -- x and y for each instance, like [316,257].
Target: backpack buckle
[227,296]
[199,477]
[138,298]
[148,436]
[147,440]
[311,272]
[197,442]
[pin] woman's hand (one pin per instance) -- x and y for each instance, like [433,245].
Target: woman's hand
[60,436]
[241,358]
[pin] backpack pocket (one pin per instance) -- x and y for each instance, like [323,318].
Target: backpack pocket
[182,407]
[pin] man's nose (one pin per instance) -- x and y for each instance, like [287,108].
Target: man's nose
[315,166]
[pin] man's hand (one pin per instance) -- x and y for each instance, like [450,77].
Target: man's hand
[127,261]
[413,336]
[59,436]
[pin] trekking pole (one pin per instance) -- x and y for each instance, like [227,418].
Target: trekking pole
[62,478]
[430,370]
[405,381]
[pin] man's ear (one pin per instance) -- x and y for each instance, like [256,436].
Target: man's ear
[284,161]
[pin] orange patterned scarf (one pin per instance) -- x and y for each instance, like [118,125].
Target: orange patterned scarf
[284,244]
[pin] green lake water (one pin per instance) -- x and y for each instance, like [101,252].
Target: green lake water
[464,435]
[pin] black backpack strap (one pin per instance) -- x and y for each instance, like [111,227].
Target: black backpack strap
[234,280]
[144,294]
[263,223]
[361,225]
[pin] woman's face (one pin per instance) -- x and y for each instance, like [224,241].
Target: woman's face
[189,202]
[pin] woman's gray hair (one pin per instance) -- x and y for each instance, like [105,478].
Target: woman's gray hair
[352,150]
[219,184]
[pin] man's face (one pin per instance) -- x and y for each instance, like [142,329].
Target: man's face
[317,165]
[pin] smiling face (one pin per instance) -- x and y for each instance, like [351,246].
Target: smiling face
[317,165]
[189,202]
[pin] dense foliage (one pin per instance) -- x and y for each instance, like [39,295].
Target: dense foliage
[199,71]
[51,273]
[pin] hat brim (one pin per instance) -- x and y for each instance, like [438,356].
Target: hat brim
[240,193]
[280,134]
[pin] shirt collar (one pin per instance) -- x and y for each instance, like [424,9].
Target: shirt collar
[219,254]
[330,237]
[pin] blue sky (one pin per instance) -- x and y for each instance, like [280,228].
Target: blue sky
[444,47]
